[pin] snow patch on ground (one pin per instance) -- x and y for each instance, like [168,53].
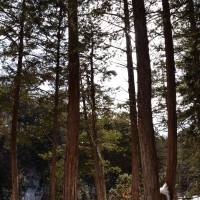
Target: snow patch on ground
[164,190]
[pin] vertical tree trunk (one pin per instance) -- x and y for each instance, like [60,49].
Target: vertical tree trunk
[73,123]
[99,167]
[15,111]
[133,111]
[195,53]
[145,124]
[171,101]
[55,112]
[194,31]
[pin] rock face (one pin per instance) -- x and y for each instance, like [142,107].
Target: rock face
[32,187]
[30,194]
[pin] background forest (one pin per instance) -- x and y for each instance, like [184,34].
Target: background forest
[38,49]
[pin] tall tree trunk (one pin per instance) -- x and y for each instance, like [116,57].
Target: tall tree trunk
[171,101]
[133,111]
[15,111]
[194,32]
[145,124]
[73,123]
[55,112]
[99,166]
[195,53]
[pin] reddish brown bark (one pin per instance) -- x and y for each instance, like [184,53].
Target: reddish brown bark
[171,100]
[145,125]
[133,111]
[99,167]
[55,112]
[15,111]
[73,123]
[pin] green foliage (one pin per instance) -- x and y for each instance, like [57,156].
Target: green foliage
[122,190]
[188,167]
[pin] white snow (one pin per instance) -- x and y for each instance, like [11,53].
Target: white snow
[164,190]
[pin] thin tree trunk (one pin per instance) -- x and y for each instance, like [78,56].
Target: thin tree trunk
[145,124]
[194,32]
[99,167]
[55,112]
[100,185]
[15,111]
[73,123]
[195,53]
[171,101]
[133,111]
